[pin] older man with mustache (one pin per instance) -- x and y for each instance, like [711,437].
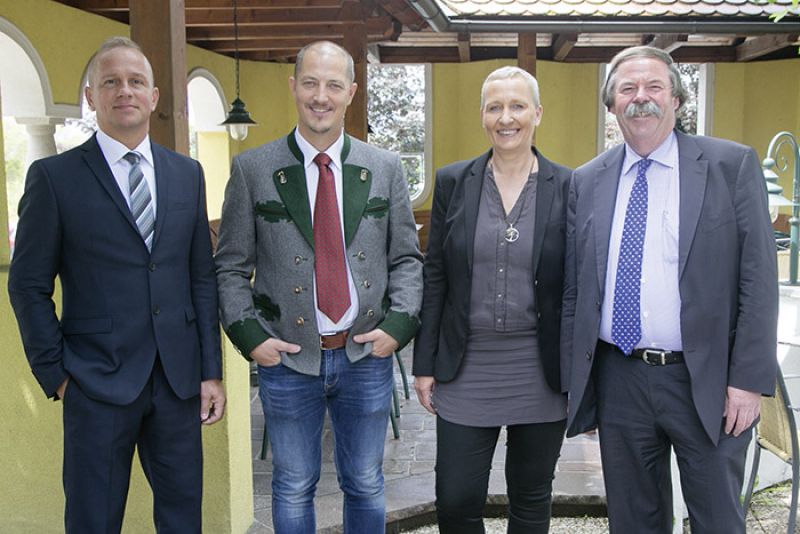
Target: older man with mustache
[670,306]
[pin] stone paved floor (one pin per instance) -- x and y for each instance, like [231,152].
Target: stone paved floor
[408,468]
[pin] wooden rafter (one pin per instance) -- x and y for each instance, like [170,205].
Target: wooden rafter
[669,42]
[463,48]
[563,44]
[762,45]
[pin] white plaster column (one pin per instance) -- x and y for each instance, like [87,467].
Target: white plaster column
[41,142]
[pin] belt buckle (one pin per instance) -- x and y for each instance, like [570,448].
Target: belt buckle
[660,354]
[322,342]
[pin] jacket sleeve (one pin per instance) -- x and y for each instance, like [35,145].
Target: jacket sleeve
[435,285]
[204,289]
[31,279]
[404,261]
[570,291]
[753,361]
[236,261]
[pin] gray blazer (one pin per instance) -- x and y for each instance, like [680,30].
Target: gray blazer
[266,230]
[727,269]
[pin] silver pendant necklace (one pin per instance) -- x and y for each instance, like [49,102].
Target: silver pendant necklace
[511,234]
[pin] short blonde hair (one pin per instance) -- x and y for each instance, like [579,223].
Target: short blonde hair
[504,73]
[110,44]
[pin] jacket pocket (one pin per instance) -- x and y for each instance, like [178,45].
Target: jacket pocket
[272,211]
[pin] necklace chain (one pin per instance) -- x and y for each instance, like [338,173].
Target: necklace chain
[511,234]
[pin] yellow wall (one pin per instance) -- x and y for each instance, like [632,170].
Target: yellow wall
[568,93]
[4,244]
[754,101]
[213,154]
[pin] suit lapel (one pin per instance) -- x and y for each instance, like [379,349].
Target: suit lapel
[693,177]
[162,190]
[544,202]
[606,182]
[473,184]
[356,183]
[290,182]
[96,162]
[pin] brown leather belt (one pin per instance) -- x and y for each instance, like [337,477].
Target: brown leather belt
[648,356]
[334,341]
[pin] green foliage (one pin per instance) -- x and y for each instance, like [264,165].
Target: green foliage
[794,10]
[396,116]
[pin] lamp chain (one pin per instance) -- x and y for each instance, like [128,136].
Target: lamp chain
[236,44]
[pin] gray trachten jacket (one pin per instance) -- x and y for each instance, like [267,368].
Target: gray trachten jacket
[266,237]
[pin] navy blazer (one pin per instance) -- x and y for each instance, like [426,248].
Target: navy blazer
[441,340]
[121,305]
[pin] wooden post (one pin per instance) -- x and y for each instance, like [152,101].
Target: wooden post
[159,28]
[355,42]
[526,52]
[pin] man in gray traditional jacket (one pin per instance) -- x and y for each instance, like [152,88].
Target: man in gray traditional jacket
[325,223]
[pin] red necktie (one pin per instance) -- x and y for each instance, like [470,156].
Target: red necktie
[333,295]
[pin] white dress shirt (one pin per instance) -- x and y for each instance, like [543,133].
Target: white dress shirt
[324,323]
[114,152]
[660,300]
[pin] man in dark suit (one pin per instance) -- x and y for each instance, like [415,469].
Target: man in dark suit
[135,353]
[670,308]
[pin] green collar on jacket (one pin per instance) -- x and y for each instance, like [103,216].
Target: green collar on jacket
[291,185]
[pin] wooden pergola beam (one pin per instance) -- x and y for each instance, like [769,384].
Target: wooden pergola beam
[102,6]
[526,52]
[763,44]
[355,42]
[669,42]
[463,47]
[374,26]
[159,29]
[214,17]
[563,43]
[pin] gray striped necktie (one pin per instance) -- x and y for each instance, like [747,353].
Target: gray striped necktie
[141,200]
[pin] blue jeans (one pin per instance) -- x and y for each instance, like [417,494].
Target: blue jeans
[358,398]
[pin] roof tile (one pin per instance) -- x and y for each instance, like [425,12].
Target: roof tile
[600,8]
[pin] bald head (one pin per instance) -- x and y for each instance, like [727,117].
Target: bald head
[325,47]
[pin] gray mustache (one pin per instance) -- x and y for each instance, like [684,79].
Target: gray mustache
[647,108]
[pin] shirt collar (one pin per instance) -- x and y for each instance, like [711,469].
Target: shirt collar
[114,151]
[665,154]
[309,152]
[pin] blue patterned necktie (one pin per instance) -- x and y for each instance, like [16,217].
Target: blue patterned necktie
[626,323]
[141,200]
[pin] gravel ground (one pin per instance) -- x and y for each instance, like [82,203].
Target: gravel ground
[768,515]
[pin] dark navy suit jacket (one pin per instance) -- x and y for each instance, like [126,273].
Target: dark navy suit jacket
[121,305]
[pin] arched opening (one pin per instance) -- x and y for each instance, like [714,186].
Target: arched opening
[29,119]
[208,141]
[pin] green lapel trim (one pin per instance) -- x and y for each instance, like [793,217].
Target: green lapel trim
[291,185]
[295,150]
[356,183]
[345,148]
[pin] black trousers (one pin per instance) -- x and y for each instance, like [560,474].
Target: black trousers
[99,441]
[464,460]
[642,411]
